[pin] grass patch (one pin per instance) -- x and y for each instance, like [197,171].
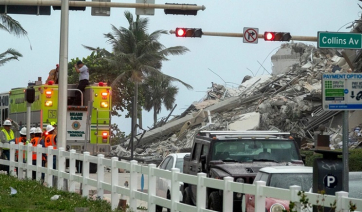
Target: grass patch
[32,196]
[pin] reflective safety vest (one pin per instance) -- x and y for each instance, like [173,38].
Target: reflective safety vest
[10,137]
[35,141]
[17,141]
[50,141]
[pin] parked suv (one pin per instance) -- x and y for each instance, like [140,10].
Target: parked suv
[281,177]
[236,154]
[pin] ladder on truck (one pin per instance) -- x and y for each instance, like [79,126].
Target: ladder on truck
[101,121]
[244,134]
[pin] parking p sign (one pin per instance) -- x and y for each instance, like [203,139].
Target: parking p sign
[330,181]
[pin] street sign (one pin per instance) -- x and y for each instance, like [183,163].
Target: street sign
[101,11]
[342,91]
[250,35]
[339,40]
[145,11]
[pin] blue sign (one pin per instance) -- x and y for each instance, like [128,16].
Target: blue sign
[345,107]
[346,91]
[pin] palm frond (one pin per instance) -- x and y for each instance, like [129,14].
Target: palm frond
[12,26]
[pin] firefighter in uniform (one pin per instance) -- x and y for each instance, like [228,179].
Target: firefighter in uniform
[35,134]
[51,140]
[7,136]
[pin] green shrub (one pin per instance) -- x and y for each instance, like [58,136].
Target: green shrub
[354,162]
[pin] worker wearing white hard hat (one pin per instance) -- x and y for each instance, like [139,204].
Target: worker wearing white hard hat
[51,140]
[35,141]
[6,136]
[21,139]
[32,132]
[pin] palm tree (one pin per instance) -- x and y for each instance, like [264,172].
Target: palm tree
[158,91]
[13,27]
[137,54]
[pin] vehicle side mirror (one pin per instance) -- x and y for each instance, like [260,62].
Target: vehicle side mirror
[203,158]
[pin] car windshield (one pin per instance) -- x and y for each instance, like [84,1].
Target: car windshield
[180,164]
[255,150]
[286,180]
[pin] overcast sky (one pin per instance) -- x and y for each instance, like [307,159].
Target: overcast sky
[228,57]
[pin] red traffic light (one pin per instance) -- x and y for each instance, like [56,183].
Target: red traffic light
[188,32]
[269,36]
[277,36]
[180,32]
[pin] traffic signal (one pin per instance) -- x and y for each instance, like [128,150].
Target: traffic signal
[188,32]
[180,12]
[70,8]
[30,95]
[27,10]
[277,36]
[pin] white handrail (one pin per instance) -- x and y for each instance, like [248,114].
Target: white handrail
[227,185]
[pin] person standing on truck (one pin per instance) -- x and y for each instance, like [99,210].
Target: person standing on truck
[6,136]
[35,141]
[53,74]
[83,72]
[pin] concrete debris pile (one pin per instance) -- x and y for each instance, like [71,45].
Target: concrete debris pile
[288,100]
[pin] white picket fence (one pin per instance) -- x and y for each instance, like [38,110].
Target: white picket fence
[227,185]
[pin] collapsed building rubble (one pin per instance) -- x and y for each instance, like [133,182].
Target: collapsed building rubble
[288,100]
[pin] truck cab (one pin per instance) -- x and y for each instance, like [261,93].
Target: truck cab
[237,154]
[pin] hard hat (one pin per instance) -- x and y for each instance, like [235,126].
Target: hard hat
[23,131]
[38,130]
[7,123]
[32,130]
[50,128]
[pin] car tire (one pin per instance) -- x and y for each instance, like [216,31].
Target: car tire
[215,201]
[158,208]
[186,196]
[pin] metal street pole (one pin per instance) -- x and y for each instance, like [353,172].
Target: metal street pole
[345,149]
[28,117]
[260,36]
[63,75]
[99,4]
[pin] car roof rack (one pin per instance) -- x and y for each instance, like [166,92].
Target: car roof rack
[243,134]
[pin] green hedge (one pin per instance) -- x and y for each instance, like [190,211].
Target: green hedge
[355,158]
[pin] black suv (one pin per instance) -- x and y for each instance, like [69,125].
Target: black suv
[236,154]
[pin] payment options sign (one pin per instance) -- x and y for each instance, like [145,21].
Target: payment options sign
[76,125]
[342,91]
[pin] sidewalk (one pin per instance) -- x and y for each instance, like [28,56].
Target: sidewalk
[122,178]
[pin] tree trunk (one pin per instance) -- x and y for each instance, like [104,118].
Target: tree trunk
[134,116]
[154,117]
[140,118]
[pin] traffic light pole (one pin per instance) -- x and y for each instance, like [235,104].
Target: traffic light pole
[99,4]
[64,34]
[260,36]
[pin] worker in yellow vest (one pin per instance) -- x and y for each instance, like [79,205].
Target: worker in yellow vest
[6,136]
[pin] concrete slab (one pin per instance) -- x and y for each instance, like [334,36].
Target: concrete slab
[247,121]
